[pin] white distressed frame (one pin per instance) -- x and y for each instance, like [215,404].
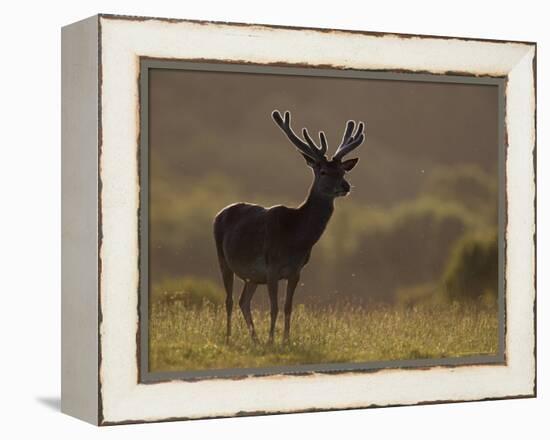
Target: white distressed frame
[122,41]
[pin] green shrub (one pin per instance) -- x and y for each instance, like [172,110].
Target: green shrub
[472,270]
[190,291]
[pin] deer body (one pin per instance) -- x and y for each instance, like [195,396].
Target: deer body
[279,239]
[265,245]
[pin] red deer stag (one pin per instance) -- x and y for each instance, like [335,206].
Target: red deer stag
[265,245]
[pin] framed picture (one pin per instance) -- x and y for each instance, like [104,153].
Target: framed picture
[262,219]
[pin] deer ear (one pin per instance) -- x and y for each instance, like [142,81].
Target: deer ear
[348,165]
[310,162]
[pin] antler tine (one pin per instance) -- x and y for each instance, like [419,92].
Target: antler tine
[323,140]
[319,150]
[350,142]
[350,126]
[309,148]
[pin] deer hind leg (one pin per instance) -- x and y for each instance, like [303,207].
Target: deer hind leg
[273,287]
[227,276]
[244,302]
[290,288]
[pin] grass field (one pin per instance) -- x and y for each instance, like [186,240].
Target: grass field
[193,338]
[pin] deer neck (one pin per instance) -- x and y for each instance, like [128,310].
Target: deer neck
[314,214]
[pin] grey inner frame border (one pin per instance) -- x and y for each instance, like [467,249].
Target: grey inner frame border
[146,376]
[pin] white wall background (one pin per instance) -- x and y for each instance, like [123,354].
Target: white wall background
[30,216]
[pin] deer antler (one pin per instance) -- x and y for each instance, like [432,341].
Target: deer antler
[350,141]
[310,149]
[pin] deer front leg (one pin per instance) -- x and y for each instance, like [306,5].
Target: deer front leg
[290,288]
[273,287]
[244,303]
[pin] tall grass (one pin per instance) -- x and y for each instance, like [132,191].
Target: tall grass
[193,338]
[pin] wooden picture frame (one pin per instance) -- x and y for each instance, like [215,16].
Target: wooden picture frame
[105,62]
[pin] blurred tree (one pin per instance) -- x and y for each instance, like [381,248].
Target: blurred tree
[466,184]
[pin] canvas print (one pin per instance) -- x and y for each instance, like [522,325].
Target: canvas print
[297,220]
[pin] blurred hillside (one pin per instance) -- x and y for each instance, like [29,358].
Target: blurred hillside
[421,220]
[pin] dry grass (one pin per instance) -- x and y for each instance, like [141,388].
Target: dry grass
[193,338]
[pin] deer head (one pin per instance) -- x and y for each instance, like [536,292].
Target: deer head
[329,174]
